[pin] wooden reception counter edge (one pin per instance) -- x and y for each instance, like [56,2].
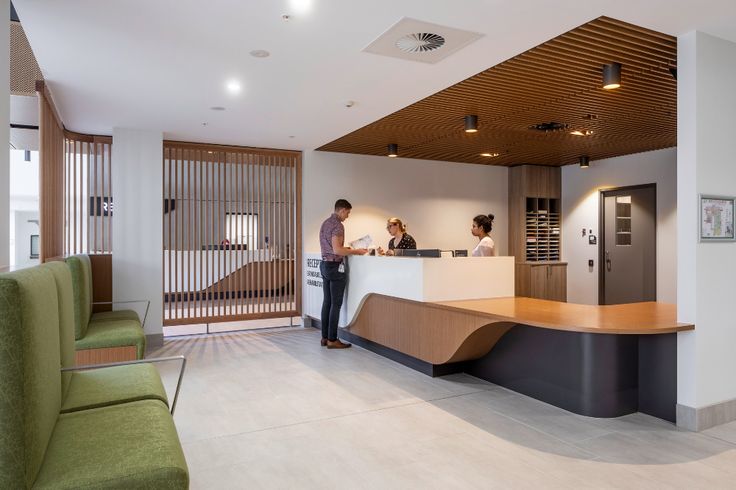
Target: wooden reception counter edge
[453,331]
[633,319]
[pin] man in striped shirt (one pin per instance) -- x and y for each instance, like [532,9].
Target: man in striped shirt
[332,268]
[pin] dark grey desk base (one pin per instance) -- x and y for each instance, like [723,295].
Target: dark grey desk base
[598,375]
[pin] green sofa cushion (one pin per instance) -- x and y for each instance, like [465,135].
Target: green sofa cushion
[111,386]
[28,305]
[117,333]
[12,448]
[63,278]
[134,445]
[81,268]
[116,315]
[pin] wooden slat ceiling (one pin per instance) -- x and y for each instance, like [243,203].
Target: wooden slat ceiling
[560,81]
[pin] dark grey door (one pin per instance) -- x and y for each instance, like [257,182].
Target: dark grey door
[629,272]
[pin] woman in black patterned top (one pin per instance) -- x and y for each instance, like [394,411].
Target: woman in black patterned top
[401,239]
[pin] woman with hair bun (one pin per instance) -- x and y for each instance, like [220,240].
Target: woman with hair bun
[482,226]
[401,239]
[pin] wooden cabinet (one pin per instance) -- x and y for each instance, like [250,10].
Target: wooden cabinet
[542,280]
[535,231]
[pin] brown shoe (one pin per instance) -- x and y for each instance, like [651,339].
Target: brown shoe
[323,342]
[336,344]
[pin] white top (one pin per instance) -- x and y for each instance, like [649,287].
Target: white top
[485,248]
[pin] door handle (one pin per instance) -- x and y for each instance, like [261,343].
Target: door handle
[608,261]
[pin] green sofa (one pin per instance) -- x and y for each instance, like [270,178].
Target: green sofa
[103,330]
[107,428]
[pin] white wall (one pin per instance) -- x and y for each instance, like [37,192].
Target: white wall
[5,137]
[580,208]
[437,200]
[705,164]
[137,181]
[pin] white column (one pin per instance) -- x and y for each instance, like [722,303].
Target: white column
[706,292]
[137,180]
[5,136]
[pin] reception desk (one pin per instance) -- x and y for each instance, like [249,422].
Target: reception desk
[413,278]
[447,315]
[428,279]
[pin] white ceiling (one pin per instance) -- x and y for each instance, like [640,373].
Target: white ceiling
[161,64]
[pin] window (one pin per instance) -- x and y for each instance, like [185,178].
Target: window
[623,220]
[35,249]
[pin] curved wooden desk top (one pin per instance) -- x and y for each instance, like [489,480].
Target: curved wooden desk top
[453,331]
[634,318]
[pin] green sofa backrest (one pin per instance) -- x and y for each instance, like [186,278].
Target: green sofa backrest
[30,379]
[81,268]
[65,293]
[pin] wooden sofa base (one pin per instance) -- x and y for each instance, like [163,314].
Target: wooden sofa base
[107,354]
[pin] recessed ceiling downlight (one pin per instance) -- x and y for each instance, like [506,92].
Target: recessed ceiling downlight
[217,108]
[260,53]
[420,42]
[233,86]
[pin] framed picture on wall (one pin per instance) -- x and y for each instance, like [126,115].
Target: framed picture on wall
[717,218]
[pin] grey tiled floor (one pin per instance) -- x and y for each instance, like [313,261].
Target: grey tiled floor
[272,409]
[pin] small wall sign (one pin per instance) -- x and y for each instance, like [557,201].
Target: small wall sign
[717,218]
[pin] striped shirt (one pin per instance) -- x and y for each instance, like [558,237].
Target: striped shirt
[331,227]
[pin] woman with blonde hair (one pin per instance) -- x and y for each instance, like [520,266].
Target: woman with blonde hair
[400,238]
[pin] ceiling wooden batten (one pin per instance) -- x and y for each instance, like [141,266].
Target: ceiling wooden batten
[558,81]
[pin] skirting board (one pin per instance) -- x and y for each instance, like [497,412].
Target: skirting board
[699,419]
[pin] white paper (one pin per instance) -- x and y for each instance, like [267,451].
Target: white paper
[362,242]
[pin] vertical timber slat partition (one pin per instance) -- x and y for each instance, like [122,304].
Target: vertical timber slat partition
[231,233]
[88,200]
[51,176]
[73,203]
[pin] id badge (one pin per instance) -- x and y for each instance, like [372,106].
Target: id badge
[341,268]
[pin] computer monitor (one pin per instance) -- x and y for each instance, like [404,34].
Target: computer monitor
[421,252]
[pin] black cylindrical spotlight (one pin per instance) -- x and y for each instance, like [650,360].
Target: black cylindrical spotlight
[584,161]
[393,150]
[471,124]
[611,76]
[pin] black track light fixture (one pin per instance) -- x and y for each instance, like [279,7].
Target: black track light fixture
[584,161]
[471,124]
[393,150]
[611,76]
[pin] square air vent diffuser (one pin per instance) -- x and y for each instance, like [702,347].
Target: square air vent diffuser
[411,39]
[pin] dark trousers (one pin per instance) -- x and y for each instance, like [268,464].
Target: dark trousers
[333,286]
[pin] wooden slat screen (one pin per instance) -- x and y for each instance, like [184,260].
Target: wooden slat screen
[231,233]
[87,201]
[51,176]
